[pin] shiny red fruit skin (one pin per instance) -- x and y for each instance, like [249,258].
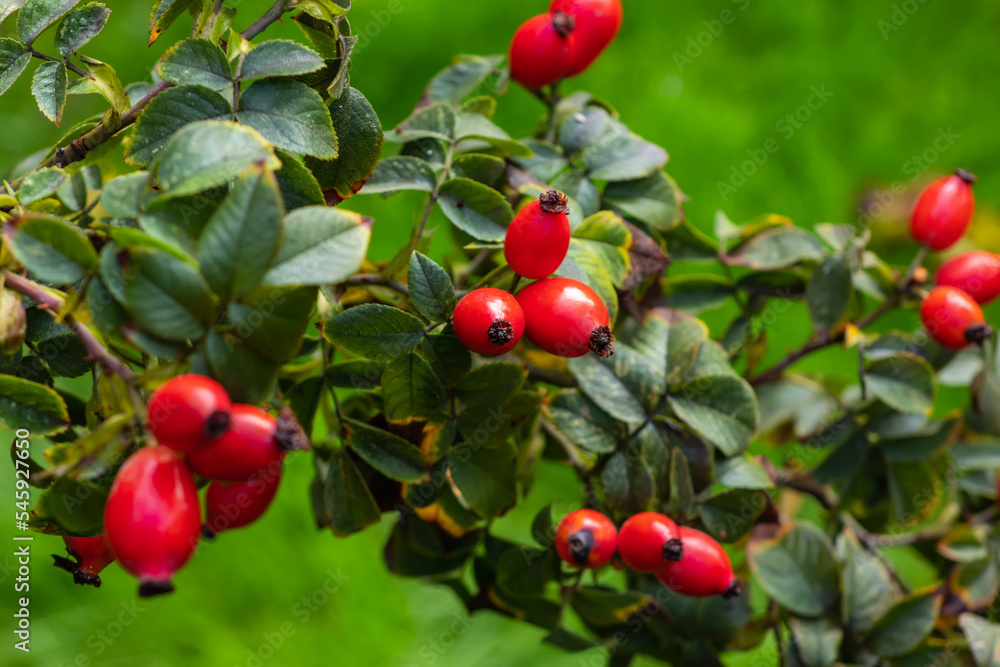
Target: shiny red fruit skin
[185,409]
[705,569]
[641,540]
[478,311]
[247,450]
[152,518]
[586,539]
[539,55]
[536,242]
[943,212]
[560,315]
[238,504]
[597,25]
[947,313]
[90,555]
[977,273]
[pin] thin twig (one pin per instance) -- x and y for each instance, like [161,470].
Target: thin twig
[53,304]
[368,279]
[70,66]
[261,24]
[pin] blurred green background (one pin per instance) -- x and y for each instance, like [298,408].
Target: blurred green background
[898,76]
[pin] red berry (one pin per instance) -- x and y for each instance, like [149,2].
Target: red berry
[542,50]
[237,504]
[566,318]
[953,318]
[704,571]
[538,237]
[977,273]
[586,539]
[647,540]
[597,25]
[152,518]
[250,448]
[187,409]
[488,321]
[89,555]
[943,211]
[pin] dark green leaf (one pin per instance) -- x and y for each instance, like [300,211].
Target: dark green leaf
[817,642]
[49,89]
[436,121]
[391,455]
[165,12]
[359,133]
[730,515]
[485,478]
[682,500]
[829,293]
[477,132]
[743,472]
[486,169]
[430,288]
[619,155]
[904,382]
[401,173]
[75,508]
[165,114]
[356,374]
[298,186]
[697,292]
[198,62]
[273,320]
[975,583]
[603,387]
[168,297]
[906,624]
[476,209]
[247,376]
[349,502]
[13,59]
[410,389]
[54,250]
[279,57]
[580,130]
[721,409]
[80,26]
[916,492]
[37,15]
[867,590]
[776,248]
[977,455]
[526,571]
[797,568]
[603,608]
[654,200]
[58,345]
[627,483]
[120,196]
[450,359]
[375,332]
[320,246]
[31,406]
[290,115]
[491,384]
[461,79]
[40,184]
[585,424]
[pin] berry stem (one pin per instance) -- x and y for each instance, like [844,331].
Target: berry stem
[553,102]
[515,283]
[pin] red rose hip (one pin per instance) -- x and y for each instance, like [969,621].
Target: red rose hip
[597,25]
[542,50]
[488,321]
[977,273]
[538,238]
[250,448]
[186,409]
[647,540]
[704,571]
[566,318]
[586,539]
[953,318]
[152,518]
[238,504]
[943,211]
[88,557]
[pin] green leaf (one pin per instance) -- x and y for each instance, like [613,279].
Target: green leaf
[120,196]
[480,211]
[54,250]
[273,320]
[904,382]
[619,155]
[410,390]
[730,515]
[829,293]
[486,169]
[431,288]
[8,7]
[697,292]
[654,200]
[436,121]
[165,12]
[585,424]
[390,454]
[40,184]
[916,492]
[298,186]
[31,406]
[797,568]
[37,15]
[580,130]
[628,484]
[975,583]
[247,376]
[526,571]
[80,26]
[867,590]
[49,89]
[198,62]
[359,135]
[491,384]
[13,59]
[794,399]
[107,83]
[375,332]
[320,246]
[777,247]
[722,409]
[401,173]
[963,545]
[165,114]
[168,297]
[290,115]
[74,507]
[905,625]
[817,642]
[477,132]
[207,153]
[464,77]
[58,345]
[742,472]
[485,478]
[242,235]
[682,499]
[603,608]
[347,499]
[325,10]
[450,359]
[599,382]
[279,57]
[983,638]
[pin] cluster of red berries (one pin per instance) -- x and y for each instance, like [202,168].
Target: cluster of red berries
[153,519]
[564,42]
[559,315]
[952,313]
[686,560]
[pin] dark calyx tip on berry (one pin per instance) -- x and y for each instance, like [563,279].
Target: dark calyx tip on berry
[289,435]
[148,589]
[216,424]
[500,332]
[64,563]
[554,201]
[600,342]
[734,589]
[207,532]
[563,24]
[966,176]
[979,333]
[673,550]
[580,544]
[87,579]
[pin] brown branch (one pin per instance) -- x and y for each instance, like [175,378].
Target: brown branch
[70,66]
[261,24]
[53,304]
